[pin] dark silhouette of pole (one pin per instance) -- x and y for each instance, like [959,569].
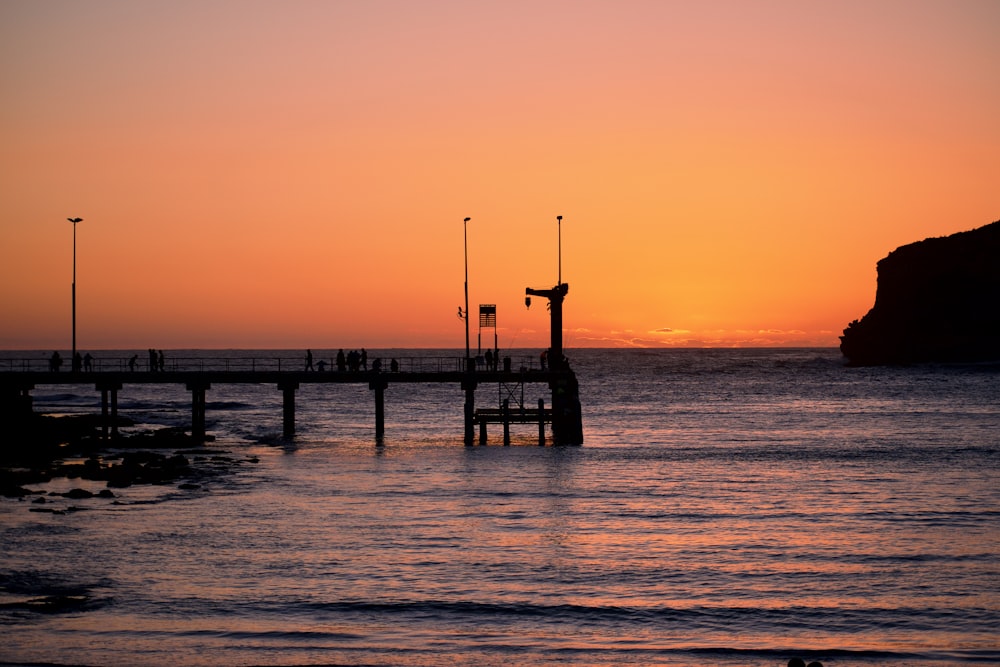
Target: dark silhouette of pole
[465,233]
[469,383]
[73,357]
[559,223]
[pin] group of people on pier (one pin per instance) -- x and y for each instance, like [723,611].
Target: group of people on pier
[156,362]
[80,362]
[85,362]
[353,361]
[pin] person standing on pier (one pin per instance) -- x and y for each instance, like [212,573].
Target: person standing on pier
[364,359]
[309,360]
[341,360]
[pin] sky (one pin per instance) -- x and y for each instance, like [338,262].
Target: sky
[293,174]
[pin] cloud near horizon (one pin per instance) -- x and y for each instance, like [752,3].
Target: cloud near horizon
[669,338]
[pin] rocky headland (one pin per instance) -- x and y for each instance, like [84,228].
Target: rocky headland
[937,300]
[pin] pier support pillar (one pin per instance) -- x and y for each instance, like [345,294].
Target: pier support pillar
[469,385]
[16,406]
[567,419]
[109,420]
[482,431]
[288,407]
[378,385]
[17,401]
[541,422]
[198,390]
[506,422]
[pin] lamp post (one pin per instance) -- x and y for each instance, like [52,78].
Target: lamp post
[73,357]
[559,223]
[465,236]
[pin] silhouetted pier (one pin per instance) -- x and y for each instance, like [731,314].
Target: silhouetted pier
[18,377]
[109,376]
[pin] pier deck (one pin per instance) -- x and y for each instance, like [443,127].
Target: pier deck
[18,377]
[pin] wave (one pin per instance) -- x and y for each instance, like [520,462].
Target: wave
[829,621]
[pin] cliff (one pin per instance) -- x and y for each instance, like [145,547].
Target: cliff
[936,300]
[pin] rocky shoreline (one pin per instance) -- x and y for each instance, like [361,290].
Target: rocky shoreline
[44,448]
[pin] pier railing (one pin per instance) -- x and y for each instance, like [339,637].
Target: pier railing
[262,364]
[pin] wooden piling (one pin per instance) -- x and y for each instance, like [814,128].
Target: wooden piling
[198,390]
[506,422]
[379,386]
[288,407]
[109,421]
[469,385]
[541,422]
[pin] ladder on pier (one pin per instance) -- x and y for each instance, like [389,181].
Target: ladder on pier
[506,415]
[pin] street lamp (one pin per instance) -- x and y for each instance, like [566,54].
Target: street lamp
[465,235]
[559,223]
[73,358]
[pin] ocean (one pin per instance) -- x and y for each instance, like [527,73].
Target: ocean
[731,507]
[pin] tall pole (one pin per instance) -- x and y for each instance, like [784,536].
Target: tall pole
[465,234]
[72,361]
[559,222]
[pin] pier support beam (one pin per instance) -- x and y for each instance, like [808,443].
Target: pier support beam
[469,385]
[17,401]
[379,385]
[506,422]
[288,407]
[106,419]
[567,419]
[16,406]
[541,422]
[198,390]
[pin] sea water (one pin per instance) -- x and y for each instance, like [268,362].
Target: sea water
[728,507]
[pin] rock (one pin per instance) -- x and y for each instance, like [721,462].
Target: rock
[796,662]
[936,300]
[14,491]
[120,476]
[78,494]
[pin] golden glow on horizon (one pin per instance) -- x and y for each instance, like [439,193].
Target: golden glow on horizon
[291,175]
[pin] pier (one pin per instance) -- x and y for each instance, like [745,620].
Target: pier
[110,376]
[18,377]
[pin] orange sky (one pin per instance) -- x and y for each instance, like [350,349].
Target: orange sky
[295,174]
